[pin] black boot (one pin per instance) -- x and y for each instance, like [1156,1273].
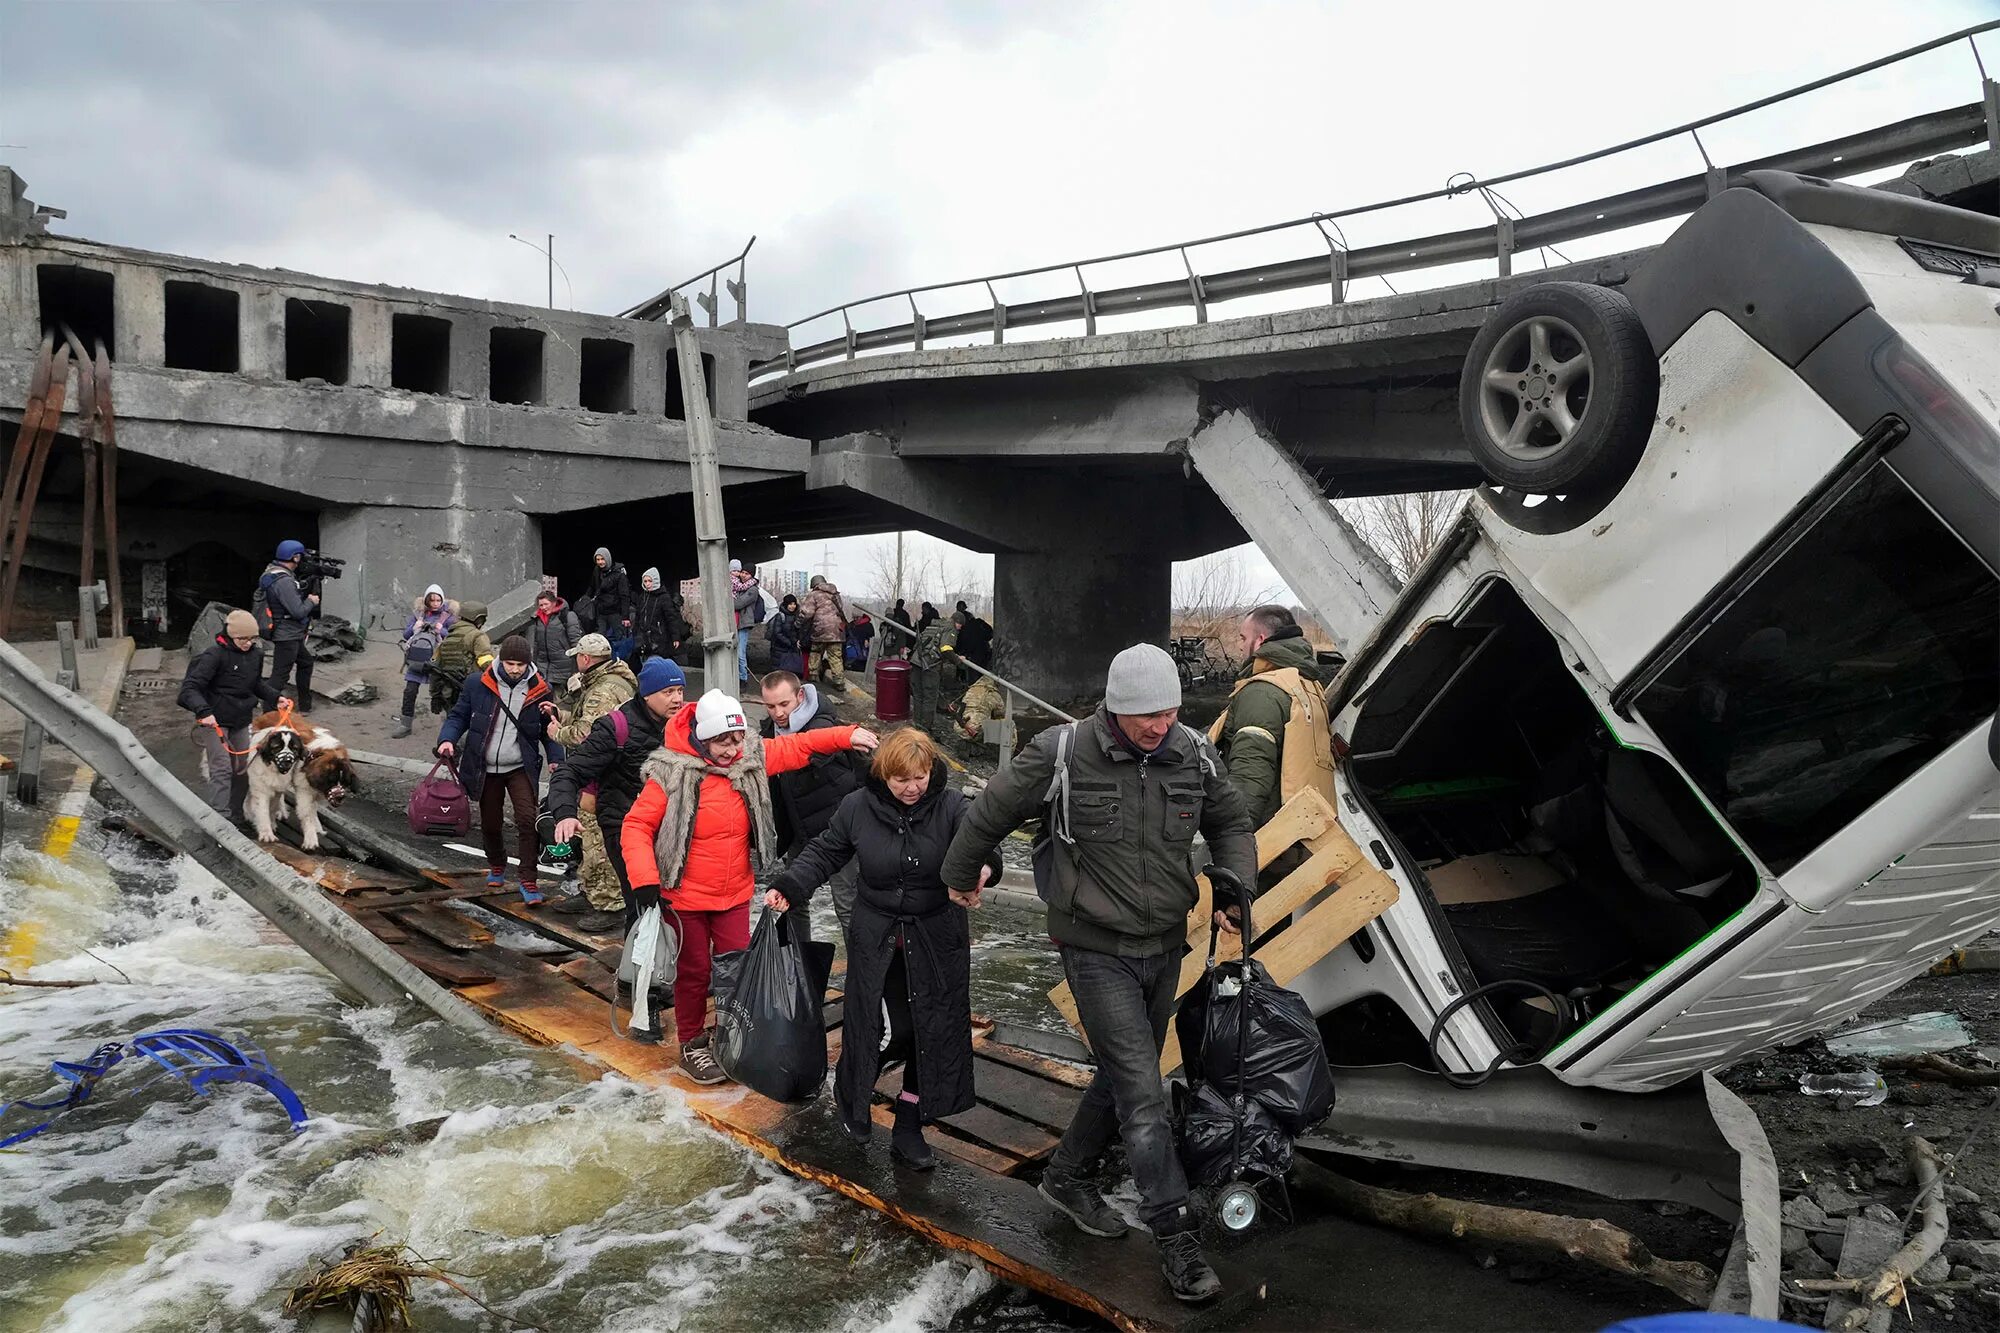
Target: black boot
[1186,1271]
[906,1143]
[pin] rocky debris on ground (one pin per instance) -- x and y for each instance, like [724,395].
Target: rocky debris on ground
[355,691]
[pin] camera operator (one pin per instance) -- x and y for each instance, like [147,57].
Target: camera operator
[285,612]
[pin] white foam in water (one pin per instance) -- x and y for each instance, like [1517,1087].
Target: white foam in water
[604,1205]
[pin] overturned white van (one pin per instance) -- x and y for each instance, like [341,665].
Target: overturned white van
[1683,743]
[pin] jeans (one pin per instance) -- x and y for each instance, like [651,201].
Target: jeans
[743,655]
[703,935]
[224,773]
[499,788]
[284,653]
[1124,1005]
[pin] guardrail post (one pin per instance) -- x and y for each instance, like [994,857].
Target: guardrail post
[850,332]
[1992,114]
[89,601]
[1089,301]
[1503,231]
[1196,292]
[28,785]
[917,323]
[999,315]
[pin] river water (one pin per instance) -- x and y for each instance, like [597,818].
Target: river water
[563,1204]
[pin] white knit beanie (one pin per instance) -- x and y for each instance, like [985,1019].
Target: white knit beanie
[1142,679]
[717,713]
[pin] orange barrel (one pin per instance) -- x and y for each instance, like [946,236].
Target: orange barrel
[892,689]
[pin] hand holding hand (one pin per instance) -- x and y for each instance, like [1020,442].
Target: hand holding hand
[566,829]
[776,901]
[865,739]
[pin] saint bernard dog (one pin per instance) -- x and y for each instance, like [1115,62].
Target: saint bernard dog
[291,759]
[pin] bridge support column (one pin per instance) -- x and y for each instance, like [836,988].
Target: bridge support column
[393,553]
[1060,616]
[1326,564]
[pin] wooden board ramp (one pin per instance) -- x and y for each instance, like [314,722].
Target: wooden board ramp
[979,1200]
[1336,891]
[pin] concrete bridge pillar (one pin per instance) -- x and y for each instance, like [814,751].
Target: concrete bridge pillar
[1060,616]
[393,553]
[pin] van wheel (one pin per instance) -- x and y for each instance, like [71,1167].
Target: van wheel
[1559,390]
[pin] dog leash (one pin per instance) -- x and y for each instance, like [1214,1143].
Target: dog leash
[284,719]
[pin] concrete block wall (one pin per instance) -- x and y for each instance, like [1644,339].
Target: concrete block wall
[139,318]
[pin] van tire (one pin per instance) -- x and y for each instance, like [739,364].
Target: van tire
[1559,390]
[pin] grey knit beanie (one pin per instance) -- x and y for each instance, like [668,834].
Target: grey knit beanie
[1142,679]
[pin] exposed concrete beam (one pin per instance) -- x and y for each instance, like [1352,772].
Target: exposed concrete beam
[1327,565]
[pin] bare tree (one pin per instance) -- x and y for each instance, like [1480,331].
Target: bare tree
[1211,594]
[1405,528]
[887,568]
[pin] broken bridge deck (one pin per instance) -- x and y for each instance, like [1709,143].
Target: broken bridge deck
[979,1200]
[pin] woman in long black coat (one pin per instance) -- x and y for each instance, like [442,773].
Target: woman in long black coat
[908,947]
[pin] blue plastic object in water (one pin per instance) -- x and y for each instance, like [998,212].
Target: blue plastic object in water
[198,1058]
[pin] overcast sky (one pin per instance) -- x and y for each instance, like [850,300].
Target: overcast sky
[872,146]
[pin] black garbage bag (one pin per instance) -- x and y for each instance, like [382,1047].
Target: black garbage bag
[769,1033]
[1283,1064]
[1210,1152]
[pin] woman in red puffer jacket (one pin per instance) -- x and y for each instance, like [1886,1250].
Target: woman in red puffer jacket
[691,837]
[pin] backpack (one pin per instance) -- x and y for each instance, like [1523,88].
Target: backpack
[260,607]
[621,727]
[1055,801]
[421,647]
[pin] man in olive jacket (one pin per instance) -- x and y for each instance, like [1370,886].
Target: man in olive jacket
[1277,733]
[1115,866]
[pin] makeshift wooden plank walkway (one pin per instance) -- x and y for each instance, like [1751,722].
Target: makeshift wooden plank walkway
[979,1200]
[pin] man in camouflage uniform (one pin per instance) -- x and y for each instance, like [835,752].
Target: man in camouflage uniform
[465,652]
[936,645]
[601,683]
[981,704]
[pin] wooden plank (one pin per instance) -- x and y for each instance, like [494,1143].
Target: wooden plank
[1365,896]
[1025,1095]
[375,900]
[975,1155]
[1003,1133]
[1034,1062]
[442,925]
[454,969]
[386,931]
[587,973]
[336,875]
[554,927]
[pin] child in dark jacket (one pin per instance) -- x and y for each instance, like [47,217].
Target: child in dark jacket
[224,688]
[495,732]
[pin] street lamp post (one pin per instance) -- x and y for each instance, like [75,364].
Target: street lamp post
[549,253]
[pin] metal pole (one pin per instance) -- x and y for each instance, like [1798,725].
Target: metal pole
[294,906]
[711,531]
[1008,685]
[552,270]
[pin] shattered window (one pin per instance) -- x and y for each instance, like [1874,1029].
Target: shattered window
[1862,652]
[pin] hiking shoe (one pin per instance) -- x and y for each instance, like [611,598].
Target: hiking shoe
[644,1036]
[600,923]
[496,879]
[1079,1201]
[574,904]
[700,1066]
[1187,1272]
[530,895]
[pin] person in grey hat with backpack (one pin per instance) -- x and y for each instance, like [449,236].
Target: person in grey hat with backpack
[1122,794]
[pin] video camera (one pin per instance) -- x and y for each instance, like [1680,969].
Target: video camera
[315,568]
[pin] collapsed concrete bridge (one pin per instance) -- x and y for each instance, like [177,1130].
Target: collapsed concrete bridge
[428,437]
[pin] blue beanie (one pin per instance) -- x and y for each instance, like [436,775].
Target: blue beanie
[657,673]
[290,551]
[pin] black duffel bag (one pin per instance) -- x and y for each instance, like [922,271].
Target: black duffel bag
[769,1032]
[1238,1029]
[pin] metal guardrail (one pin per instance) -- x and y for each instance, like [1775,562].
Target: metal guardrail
[1510,232]
[659,307]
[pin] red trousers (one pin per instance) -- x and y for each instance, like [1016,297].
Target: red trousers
[703,935]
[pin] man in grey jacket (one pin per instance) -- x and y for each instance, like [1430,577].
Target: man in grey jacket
[1115,865]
